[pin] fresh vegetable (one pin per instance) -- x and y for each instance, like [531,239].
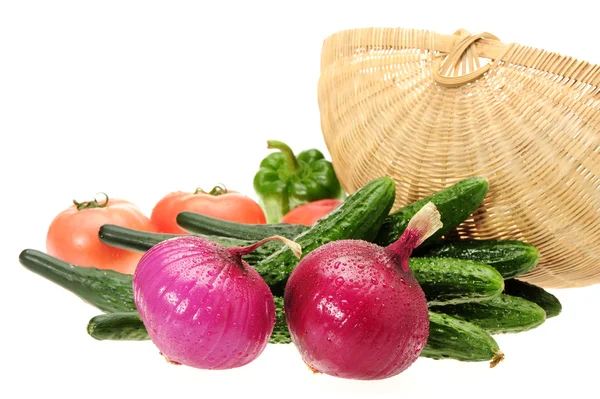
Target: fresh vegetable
[510,257]
[141,241]
[358,217]
[128,326]
[501,314]
[285,181]
[202,224]
[308,214]
[73,234]
[442,280]
[114,294]
[125,326]
[451,338]
[108,290]
[535,294]
[218,203]
[452,281]
[355,310]
[203,306]
[455,204]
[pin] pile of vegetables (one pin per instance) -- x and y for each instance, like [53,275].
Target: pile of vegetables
[361,292]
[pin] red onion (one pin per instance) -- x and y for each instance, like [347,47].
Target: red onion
[355,309]
[203,306]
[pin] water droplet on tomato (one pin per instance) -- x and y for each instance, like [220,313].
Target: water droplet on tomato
[208,309]
[339,281]
[344,302]
[374,281]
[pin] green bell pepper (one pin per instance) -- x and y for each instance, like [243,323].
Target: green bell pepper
[285,181]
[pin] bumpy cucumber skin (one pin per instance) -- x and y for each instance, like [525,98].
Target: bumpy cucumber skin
[455,204]
[281,333]
[125,326]
[535,294]
[451,338]
[510,257]
[108,290]
[141,241]
[356,218]
[128,326]
[448,281]
[202,224]
[499,315]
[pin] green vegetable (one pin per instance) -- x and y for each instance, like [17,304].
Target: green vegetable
[455,204]
[128,326]
[451,281]
[510,257]
[124,326]
[501,314]
[202,224]
[285,181]
[535,294]
[451,338]
[358,217]
[108,290]
[112,292]
[141,241]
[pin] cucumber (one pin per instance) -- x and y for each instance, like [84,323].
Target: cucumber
[123,326]
[128,326]
[499,315]
[455,204]
[535,294]
[451,281]
[510,257]
[281,334]
[108,290]
[451,338]
[141,241]
[202,224]
[358,217]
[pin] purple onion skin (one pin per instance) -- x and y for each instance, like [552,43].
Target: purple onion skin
[355,310]
[202,305]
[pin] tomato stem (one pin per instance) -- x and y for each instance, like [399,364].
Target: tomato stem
[91,204]
[219,189]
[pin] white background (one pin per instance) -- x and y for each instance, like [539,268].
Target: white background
[138,99]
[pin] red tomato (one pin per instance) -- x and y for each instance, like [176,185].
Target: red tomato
[220,204]
[308,214]
[73,234]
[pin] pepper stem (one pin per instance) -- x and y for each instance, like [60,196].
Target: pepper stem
[241,251]
[420,227]
[91,204]
[292,162]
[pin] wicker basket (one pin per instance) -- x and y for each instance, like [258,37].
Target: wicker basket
[430,109]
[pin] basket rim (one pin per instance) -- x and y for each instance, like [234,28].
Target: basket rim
[347,41]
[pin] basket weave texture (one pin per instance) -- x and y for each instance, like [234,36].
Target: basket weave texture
[429,110]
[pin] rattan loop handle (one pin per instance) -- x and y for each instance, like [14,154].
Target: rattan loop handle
[443,64]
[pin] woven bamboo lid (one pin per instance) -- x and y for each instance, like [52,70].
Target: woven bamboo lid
[430,109]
